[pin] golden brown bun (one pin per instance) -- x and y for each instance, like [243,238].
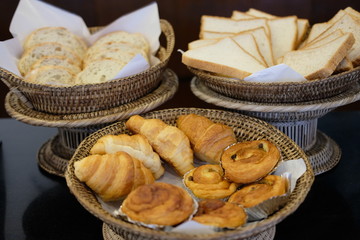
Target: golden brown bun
[207,181]
[158,203]
[168,141]
[208,139]
[246,162]
[112,176]
[136,145]
[255,193]
[217,213]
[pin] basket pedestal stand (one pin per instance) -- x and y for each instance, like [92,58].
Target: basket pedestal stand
[298,121]
[54,154]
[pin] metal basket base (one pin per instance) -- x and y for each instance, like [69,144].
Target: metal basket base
[110,234]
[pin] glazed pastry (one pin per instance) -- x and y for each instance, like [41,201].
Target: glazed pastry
[158,203]
[208,139]
[168,141]
[247,162]
[207,181]
[217,213]
[136,145]
[255,193]
[112,176]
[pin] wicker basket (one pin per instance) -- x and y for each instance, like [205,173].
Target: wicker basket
[245,128]
[92,97]
[283,92]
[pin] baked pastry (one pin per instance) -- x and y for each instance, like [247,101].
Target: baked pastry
[168,141]
[112,176]
[208,139]
[207,181]
[136,145]
[217,213]
[158,203]
[246,162]
[255,193]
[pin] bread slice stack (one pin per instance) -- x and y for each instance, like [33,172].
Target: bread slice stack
[315,52]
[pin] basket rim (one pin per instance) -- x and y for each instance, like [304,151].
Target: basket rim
[166,28]
[295,201]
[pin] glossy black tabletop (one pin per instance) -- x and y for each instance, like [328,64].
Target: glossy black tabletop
[35,205]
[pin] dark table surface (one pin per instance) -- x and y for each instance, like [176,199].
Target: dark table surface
[35,205]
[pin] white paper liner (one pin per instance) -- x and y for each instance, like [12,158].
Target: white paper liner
[33,14]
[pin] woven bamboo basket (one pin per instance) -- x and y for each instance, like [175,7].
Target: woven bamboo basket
[282,92]
[92,97]
[245,128]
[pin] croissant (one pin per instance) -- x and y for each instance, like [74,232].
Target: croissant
[208,139]
[215,212]
[208,182]
[246,162]
[158,203]
[136,145]
[255,193]
[112,176]
[168,141]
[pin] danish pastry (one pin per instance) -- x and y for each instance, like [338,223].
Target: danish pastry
[112,176]
[136,145]
[217,213]
[168,141]
[246,162]
[207,181]
[208,139]
[255,193]
[158,203]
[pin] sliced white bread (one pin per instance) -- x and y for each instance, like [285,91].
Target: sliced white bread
[238,15]
[247,41]
[59,35]
[41,50]
[264,45]
[52,76]
[212,35]
[135,39]
[228,25]
[99,71]
[61,61]
[225,57]
[323,39]
[202,42]
[352,12]
[283,35]
[320,62]
[258,13]
[348,24]
[344,65]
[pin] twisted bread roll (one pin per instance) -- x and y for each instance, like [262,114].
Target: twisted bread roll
[255,193]
[217,213]
[158,203]
[136,145]
[112,176]
[207,138]
[247,162]
[207,181]
[168,141]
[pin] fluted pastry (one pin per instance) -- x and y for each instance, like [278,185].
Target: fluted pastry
[112,176]
[208,139]
[217,213]
[255,193]
[136,145]
[246,162]
[158,203]
[207,181]
[168,141]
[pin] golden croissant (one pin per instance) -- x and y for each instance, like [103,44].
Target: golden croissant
[207,138]
[168,141]
[112,176]
[136,145]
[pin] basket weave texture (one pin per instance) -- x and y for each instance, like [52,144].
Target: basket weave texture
[282,92]
[93,97]
[245,128]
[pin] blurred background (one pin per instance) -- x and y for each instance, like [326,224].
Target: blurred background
[184,15]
